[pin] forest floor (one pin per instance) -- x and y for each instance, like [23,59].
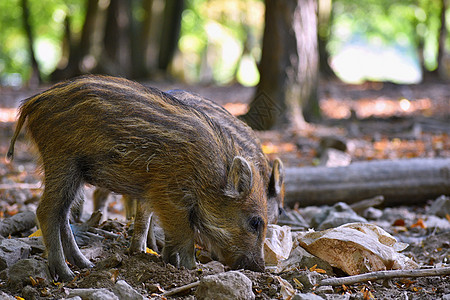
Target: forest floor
[376,121]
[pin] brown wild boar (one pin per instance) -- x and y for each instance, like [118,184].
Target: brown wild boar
[176,160]
[244,138]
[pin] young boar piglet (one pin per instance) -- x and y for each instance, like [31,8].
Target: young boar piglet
[174,159]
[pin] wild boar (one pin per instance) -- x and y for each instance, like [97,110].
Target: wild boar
[176,160]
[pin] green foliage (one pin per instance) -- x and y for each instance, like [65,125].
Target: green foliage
[47,23]
[407,24]
[215,34]
[220,40]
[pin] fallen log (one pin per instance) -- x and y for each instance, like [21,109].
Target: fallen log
[403,181]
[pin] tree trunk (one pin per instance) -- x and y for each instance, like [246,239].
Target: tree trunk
[288,66]
[35,73]
[78,51]
[117,47]
[142,42]
[399,181]
[441,41]
[441,37]
[170,32]
[325,15]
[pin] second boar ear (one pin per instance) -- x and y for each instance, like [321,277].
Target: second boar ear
[276,178]
[239,181]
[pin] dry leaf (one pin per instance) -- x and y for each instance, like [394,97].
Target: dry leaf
[114,275]
[420,223]
[287,291]
[148,250]
[36,233]
[33,281]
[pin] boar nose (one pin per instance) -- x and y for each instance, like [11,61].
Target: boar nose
[251,263]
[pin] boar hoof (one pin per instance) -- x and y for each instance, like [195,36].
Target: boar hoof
[60,272]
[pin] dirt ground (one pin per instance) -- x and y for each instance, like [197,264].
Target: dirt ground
[381,121]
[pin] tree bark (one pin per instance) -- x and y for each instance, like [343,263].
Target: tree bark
[35,73]
[78,50]
[142,42]
[170,32]
[117,47]
[288,66]
[441,41]
[325,15]
[399,181]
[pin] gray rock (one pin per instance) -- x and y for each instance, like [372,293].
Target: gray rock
[446,297]
[309,213]
[337,215]
[436,222]
[307,296]
[334,158]
[30,293]
[5,296]
[214,267]
[110,262]
[21,271]
[92,294]
[392,214]
[333,142]
[12,250]
[125,292]
[228,285]
[440,207]
[372,213]
[36,244]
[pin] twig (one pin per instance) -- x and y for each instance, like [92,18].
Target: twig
[181,288]
[385,275]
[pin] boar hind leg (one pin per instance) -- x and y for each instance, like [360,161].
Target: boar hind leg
[141,226]
[53,216]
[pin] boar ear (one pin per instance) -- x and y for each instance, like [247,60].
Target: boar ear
[276,178]
[239,181]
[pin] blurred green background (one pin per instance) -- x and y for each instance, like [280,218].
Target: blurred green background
[219,42]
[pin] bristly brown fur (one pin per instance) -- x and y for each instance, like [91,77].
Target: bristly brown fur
[138,141]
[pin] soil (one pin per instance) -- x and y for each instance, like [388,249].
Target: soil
[375,136]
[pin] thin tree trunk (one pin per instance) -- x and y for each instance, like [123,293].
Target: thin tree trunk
[288,66]
[78,51]
[140,56]
[117,47]
[35,74]
[441,40]
[325,15]
[170,32]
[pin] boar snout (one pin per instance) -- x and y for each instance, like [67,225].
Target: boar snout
[250,262]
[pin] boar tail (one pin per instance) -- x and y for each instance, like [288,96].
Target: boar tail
[10,154]
[24,111]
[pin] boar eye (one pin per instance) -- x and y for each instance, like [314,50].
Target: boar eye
[255,224]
